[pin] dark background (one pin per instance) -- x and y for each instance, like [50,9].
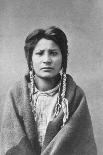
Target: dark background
[82,21]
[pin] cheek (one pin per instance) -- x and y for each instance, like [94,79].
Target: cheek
[59,62]
[35,62]
[35,59]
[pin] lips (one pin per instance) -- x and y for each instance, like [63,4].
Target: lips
[47,68]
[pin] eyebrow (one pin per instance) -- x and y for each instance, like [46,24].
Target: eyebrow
[53,49]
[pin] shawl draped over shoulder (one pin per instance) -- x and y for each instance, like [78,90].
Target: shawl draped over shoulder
[19,136]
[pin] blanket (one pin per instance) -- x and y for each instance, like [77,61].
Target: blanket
[19,134]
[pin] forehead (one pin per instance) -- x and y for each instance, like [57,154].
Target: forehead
[46,44]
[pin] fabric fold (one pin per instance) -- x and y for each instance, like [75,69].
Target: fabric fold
[19,134]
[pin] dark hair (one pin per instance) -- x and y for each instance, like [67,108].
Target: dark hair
[58,36]
[51,33]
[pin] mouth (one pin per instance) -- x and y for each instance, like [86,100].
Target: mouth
[47,68]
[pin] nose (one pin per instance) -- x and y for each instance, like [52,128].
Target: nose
[47,59]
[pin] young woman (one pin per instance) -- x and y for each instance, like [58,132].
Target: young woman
[46,113]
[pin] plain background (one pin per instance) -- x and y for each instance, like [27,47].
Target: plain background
[82,21]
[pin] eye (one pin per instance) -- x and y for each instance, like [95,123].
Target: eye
[53,52]
[40,53]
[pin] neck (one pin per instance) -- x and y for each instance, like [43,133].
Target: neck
[46,84]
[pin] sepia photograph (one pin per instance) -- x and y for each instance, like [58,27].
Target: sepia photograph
[51,77]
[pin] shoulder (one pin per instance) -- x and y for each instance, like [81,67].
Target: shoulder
[72,86]
[16,88]
[80,92]
[16,91]
[16,97]
[75,94]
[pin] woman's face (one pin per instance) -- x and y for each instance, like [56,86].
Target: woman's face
[47,59]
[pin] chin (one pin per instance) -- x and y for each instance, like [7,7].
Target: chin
[46,76]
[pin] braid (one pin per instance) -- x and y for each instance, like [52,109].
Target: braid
[32,90]
[61,97]
[63,86]
[62,92]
